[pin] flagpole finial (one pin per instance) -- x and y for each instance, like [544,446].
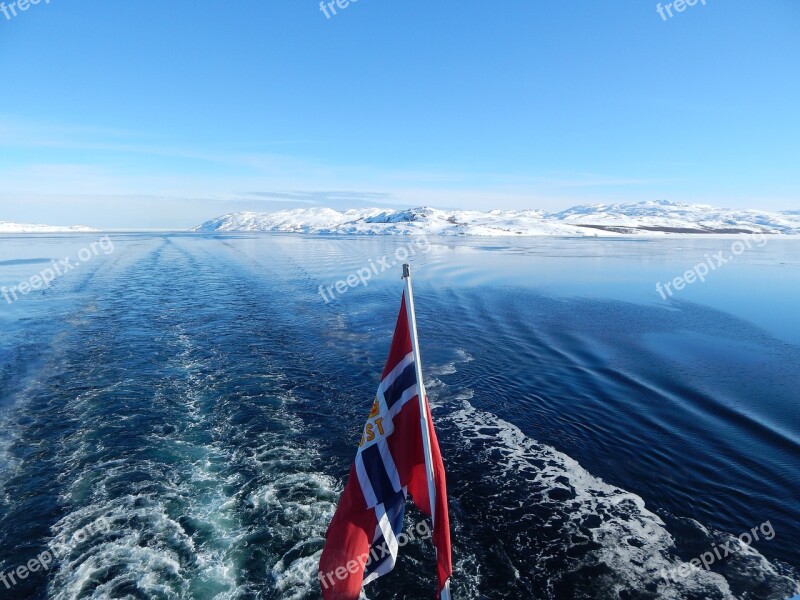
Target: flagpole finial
[406,271]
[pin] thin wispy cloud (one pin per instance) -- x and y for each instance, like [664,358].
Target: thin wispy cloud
[264,169]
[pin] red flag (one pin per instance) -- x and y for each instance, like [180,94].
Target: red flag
[394,457]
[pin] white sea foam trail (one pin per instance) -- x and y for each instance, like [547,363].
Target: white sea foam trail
[188,446]
[551,529]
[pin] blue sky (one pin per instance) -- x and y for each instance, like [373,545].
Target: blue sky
[164,114]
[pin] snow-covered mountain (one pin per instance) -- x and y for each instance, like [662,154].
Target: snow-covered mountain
[589,220]
[372,221]
[6,227]
[681,218]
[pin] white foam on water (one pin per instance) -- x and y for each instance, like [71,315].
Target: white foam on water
[450,367]
[145,545]
[9,464]
[634,543]
[12,414]
[303,504]
[141,547]
[296,580]
[148,548]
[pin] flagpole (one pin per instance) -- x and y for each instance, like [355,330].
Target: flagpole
[423,398]
[423,409]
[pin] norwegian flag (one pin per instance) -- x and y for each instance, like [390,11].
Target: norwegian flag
[398,456]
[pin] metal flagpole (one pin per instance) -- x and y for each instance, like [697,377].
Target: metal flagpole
[423,407]
[423,399]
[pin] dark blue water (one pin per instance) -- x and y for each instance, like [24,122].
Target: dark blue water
[197,396]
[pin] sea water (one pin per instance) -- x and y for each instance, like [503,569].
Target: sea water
[202,397]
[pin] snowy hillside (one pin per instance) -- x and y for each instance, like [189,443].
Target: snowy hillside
[676,217]
[590,220]
[6,227]
[374,221]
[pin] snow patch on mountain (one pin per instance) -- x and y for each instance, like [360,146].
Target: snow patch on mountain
[7,227]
